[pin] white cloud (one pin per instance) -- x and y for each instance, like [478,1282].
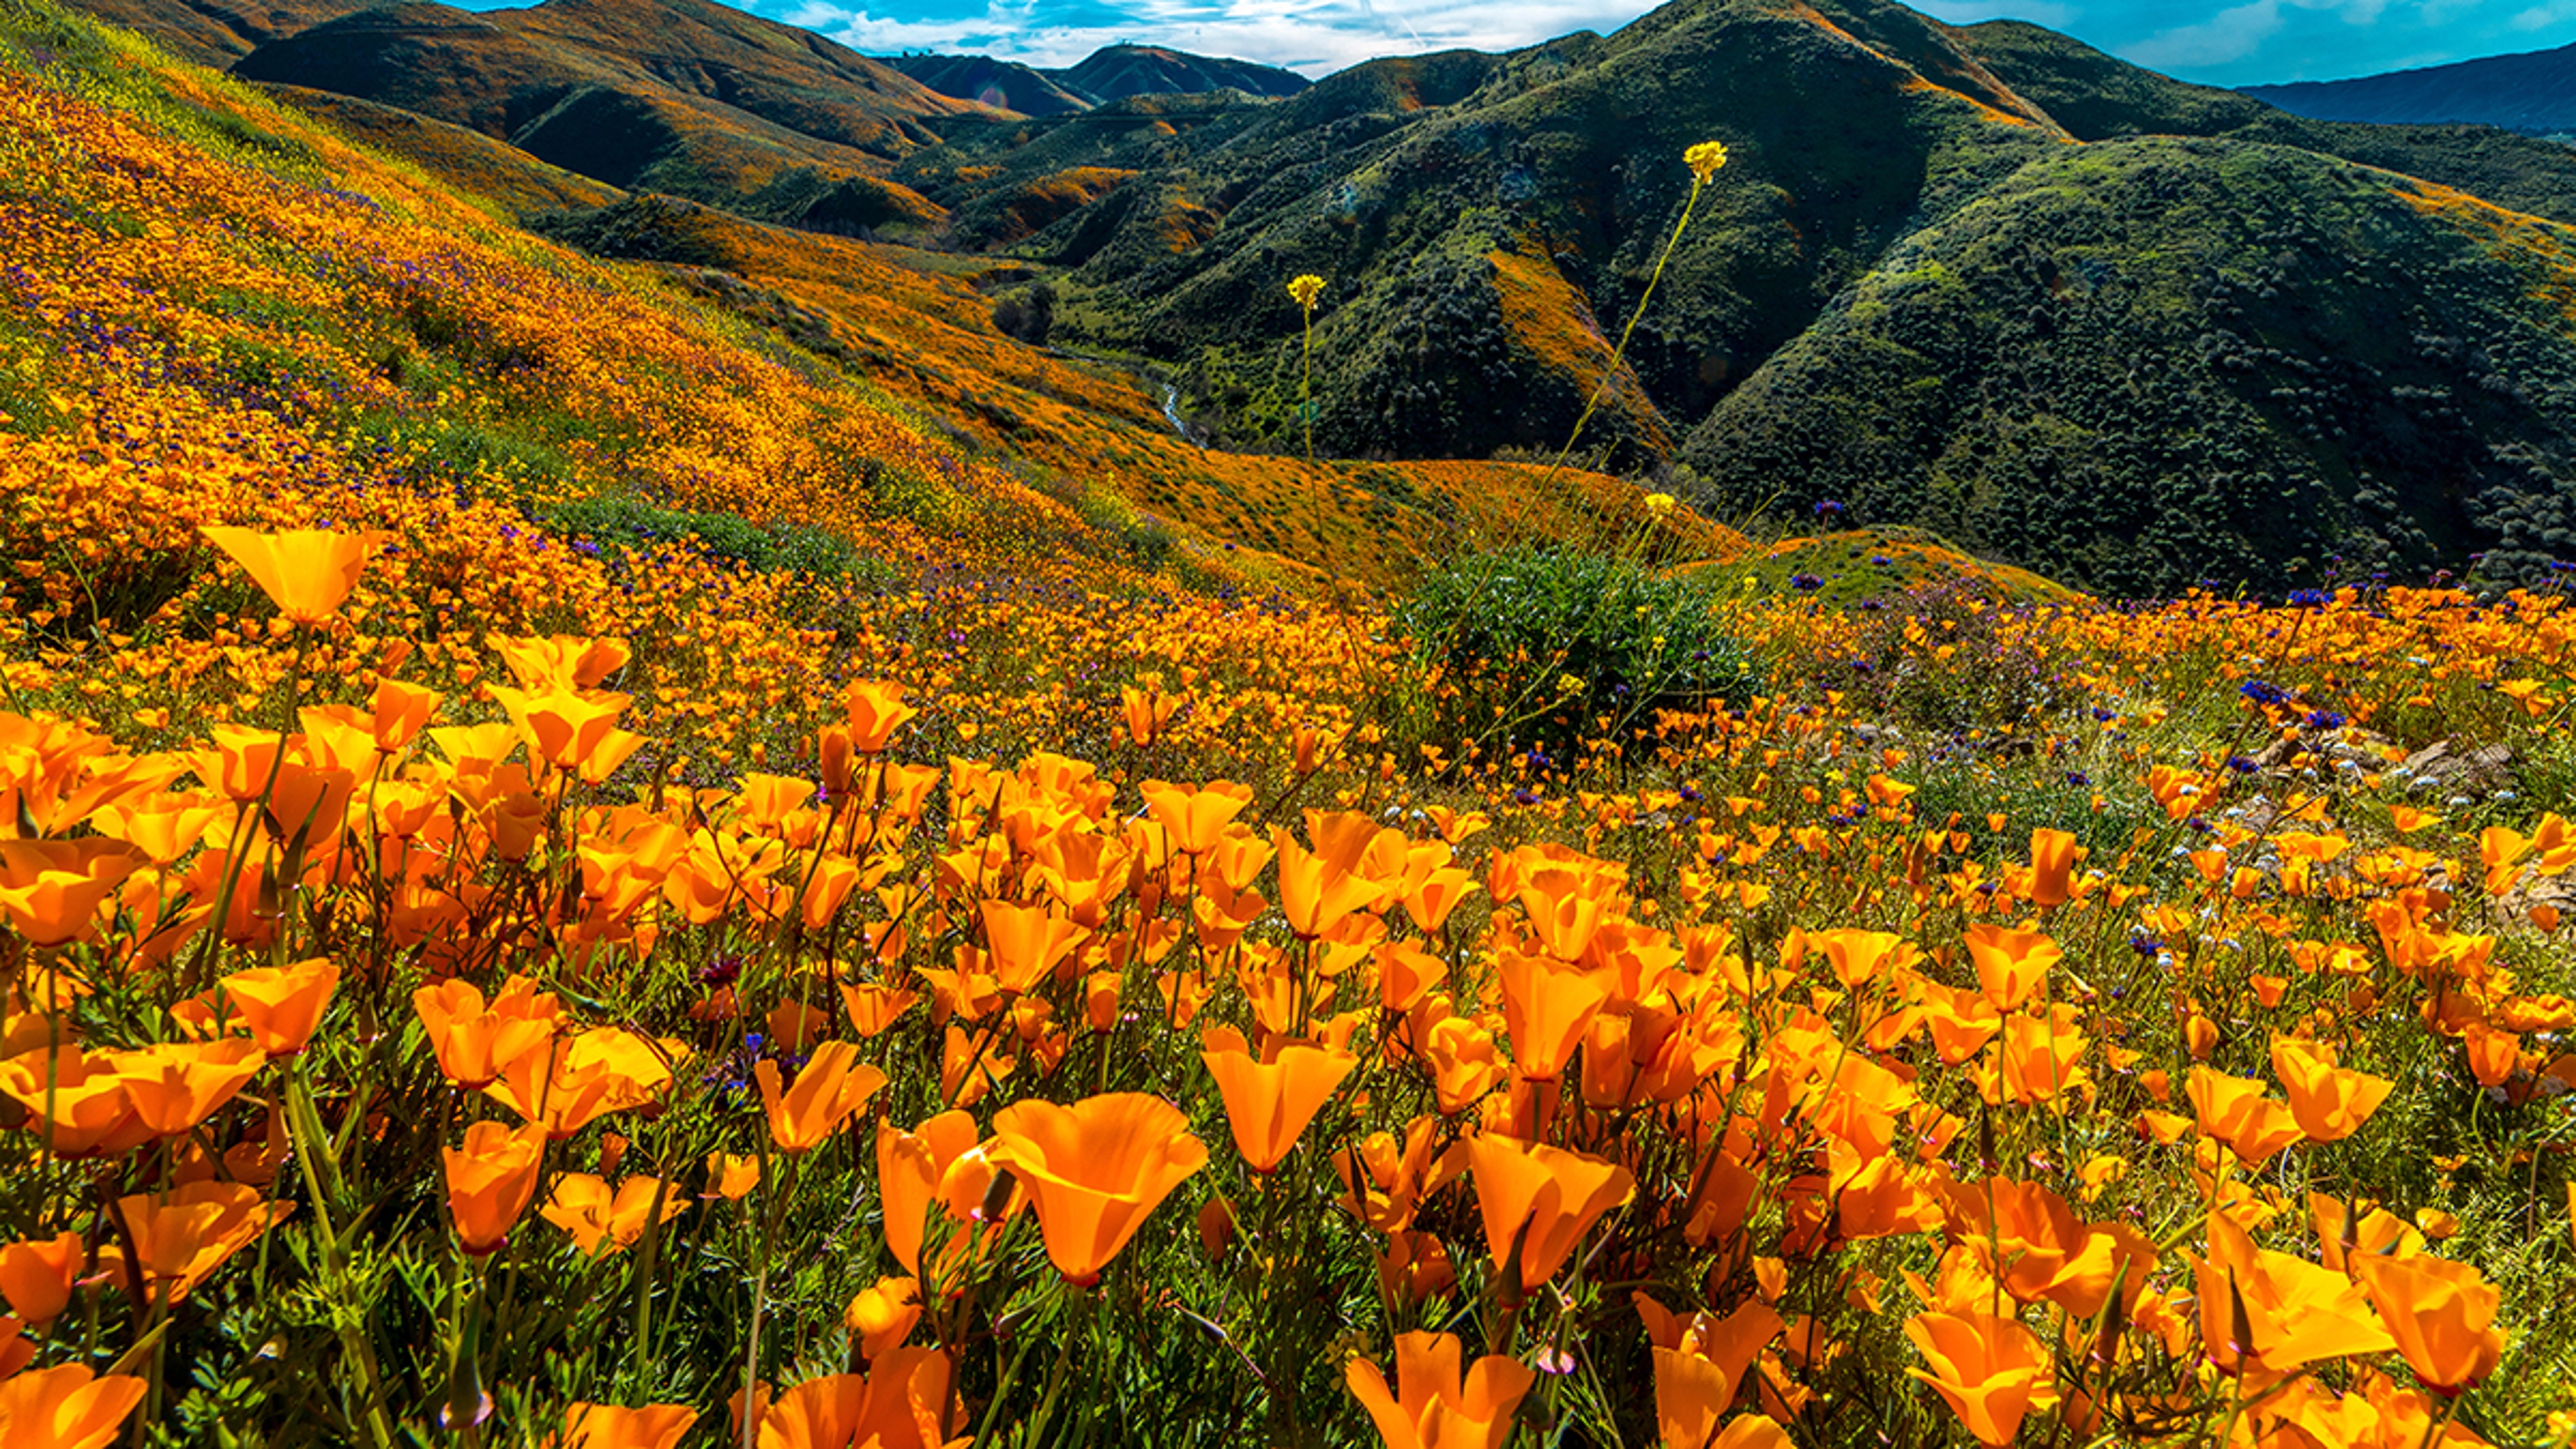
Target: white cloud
[1311,36]
[1969,12]
[2553,15]
[2231,34]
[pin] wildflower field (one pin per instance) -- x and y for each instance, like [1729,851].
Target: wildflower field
[574,875]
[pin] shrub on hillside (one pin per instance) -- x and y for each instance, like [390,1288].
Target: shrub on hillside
[1548,646]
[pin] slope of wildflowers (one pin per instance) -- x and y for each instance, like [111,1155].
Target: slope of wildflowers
[472,979]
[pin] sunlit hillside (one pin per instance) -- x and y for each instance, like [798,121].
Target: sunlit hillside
[622,826]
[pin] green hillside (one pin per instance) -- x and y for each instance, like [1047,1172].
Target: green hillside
[2157,361]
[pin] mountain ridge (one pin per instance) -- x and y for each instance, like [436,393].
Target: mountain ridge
[2533,92]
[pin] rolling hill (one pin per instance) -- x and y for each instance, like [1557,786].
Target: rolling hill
[1486,223]
[2533,92]
[679,96]
[2132,332]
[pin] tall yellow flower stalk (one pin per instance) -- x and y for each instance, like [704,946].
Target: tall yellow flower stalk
[1703,160]
[1306,287]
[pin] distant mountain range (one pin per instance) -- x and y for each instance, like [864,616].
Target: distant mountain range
[1111,73]
[1983,279]
[2533,92]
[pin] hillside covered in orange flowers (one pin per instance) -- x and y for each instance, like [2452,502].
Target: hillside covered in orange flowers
[677,842]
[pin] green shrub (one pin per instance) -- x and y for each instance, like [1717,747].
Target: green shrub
[636,523]
[1550,646]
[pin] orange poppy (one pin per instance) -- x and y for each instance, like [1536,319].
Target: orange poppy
[2011,965]
[604,1426]
[490,1181]
[883,1316]
[1539,1200]
[2234,1111]
[181,1238]
[2275,1311]
[2329,1102]
[1433,1405]
[37,1276]
[875,710]
[1986,1367]
[1699,1360]
[1547,1007]
[1095,1170]
[1269,1102]
[1859,957]
[51,889]
[474,1042]
[65,1407]
[2441,1313]
[583,1078]
[281,1005]
[730,1177]
[306,572]
[902,1402]
[832,1084]
[586,1207]
[1025,944]
[937,1162]
[2052,866]
[1196,819]
[1315,892]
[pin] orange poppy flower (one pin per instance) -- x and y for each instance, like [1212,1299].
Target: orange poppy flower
[583,1078]
[37,1276]
[883,1316]
[1547,1007]
[2011,965]
[2052,866]
[1433,1405]
[1268,1103]
[1986,1367]
[1026,943]
[901,1403]
[875,710]
[2329,1102]
[1699,1360]
[586,1207]
[875,1008]
[571,731]
[1315,893]
[831,1085]
[1095,1170]
[603,1426]
[1196,819]
[282,1004]
[1859,957]
[51,889]
[306,572]
[2233,1110]
[1962,1022]
[937,1162]
[2441,1313]
[474,1042]
[180,1239]
[65,1408]
[2275,1311]
[730,1177]
[490,1181]
[1463,1062]
[1539,1200]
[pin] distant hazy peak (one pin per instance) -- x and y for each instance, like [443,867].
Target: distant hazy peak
[2533,92]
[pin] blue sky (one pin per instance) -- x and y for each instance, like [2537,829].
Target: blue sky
[2222,42]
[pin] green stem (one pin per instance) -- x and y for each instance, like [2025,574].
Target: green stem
[1618,354]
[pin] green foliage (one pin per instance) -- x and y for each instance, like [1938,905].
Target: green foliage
[2155,362]
[1541,645]
[638,524]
